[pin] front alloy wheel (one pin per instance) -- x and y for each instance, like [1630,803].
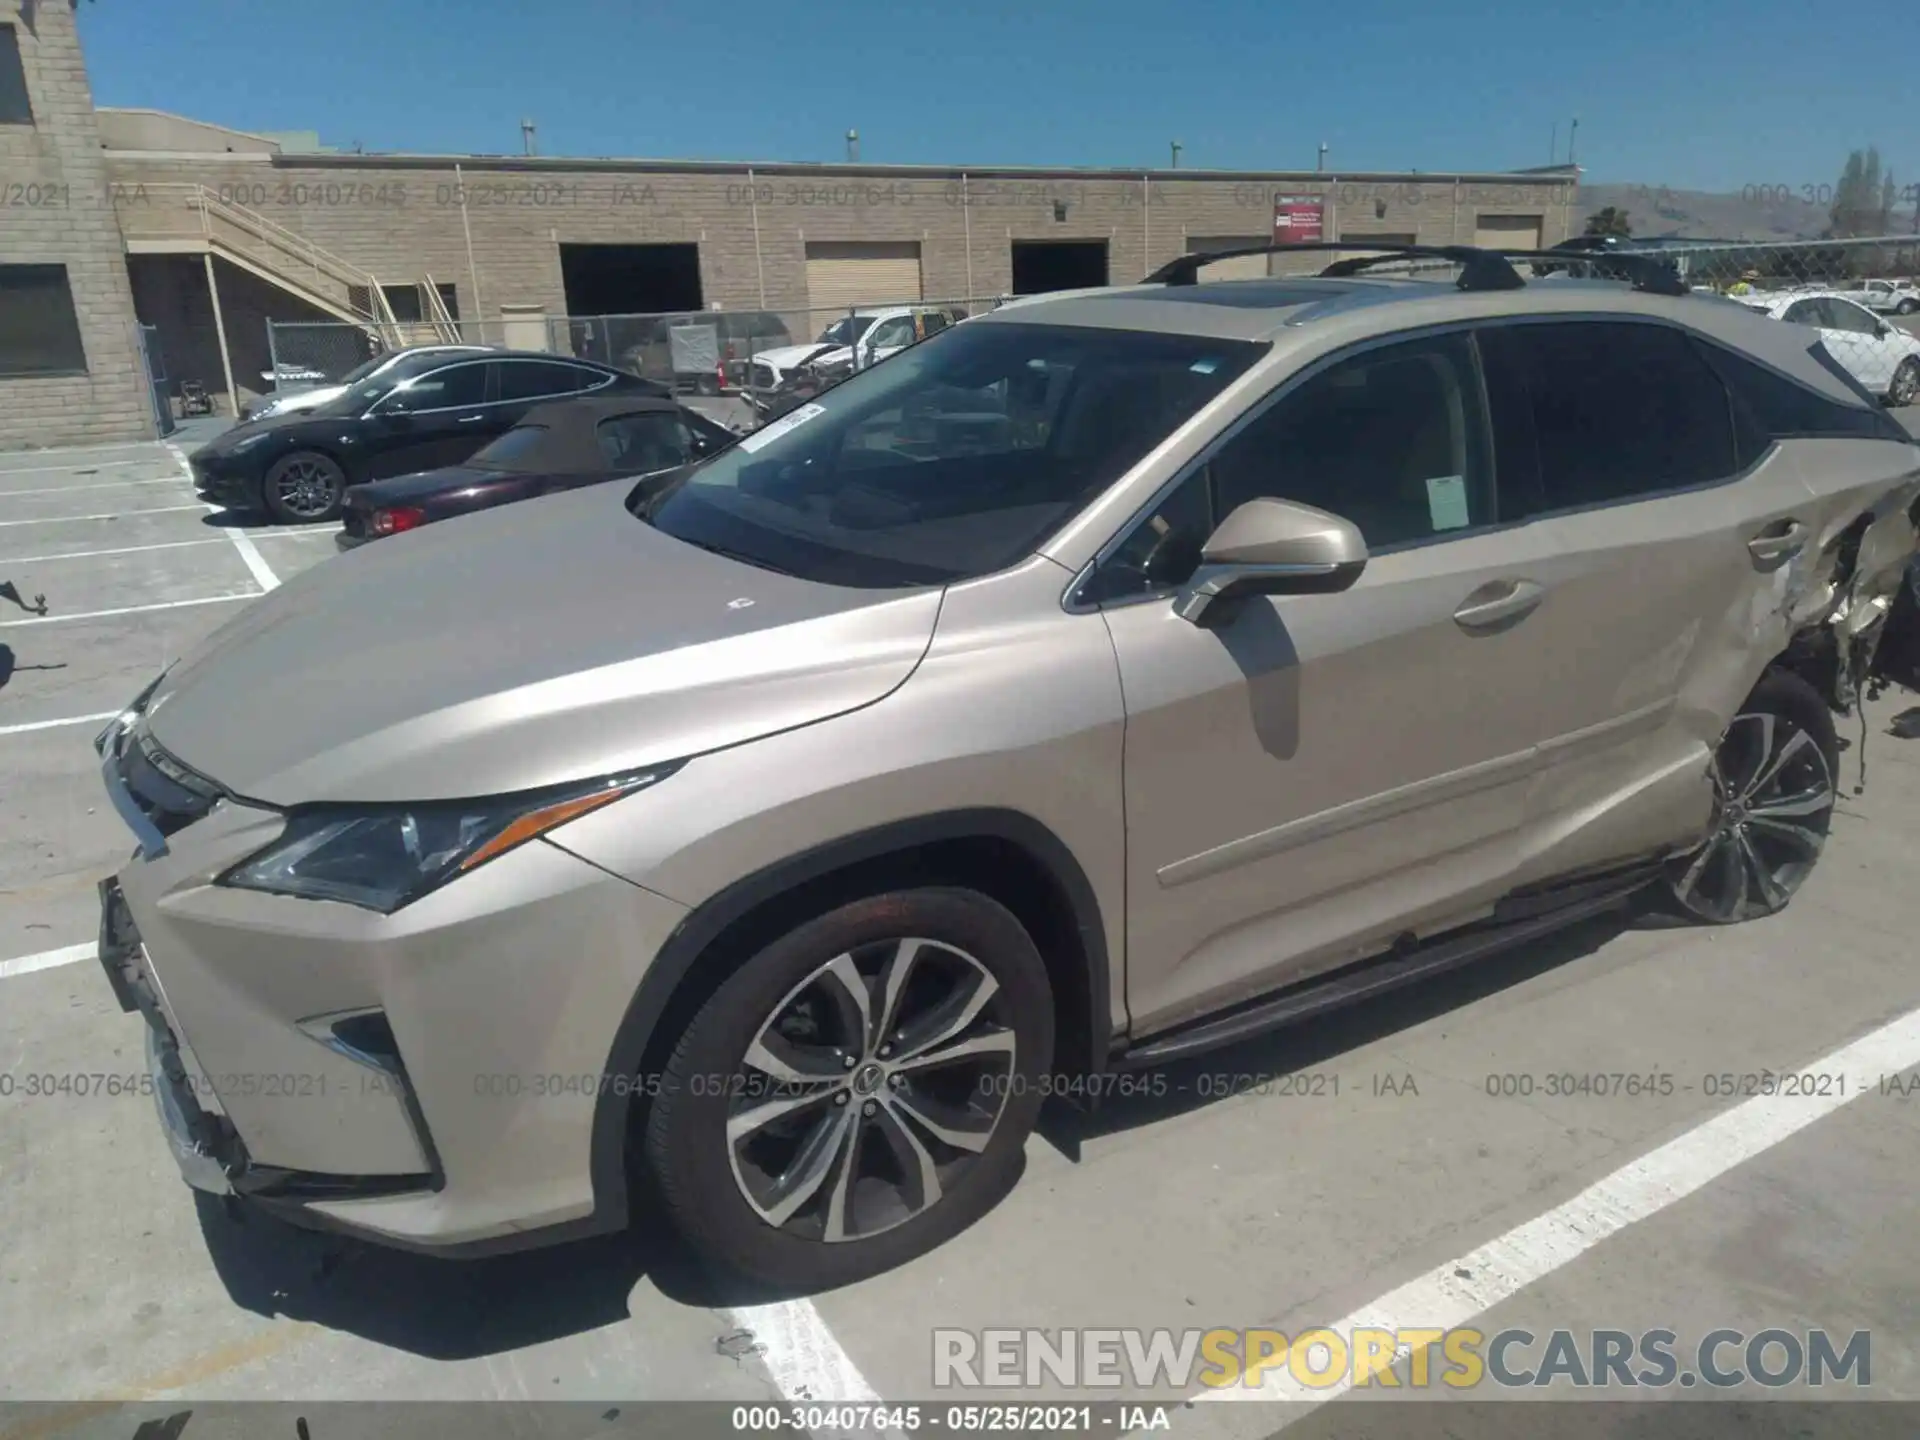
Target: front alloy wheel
[873,1087]
[304,487]
[1773,793]
[856,1092]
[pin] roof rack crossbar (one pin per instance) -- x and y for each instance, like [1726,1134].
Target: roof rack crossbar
[1480,268]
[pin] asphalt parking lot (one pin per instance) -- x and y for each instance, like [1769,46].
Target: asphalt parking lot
[1389,1186]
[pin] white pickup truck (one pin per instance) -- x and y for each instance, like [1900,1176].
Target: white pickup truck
[1888,297]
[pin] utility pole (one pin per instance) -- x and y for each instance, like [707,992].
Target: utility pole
[1176,154]
[1320,164]
[526,136]
[1573,134]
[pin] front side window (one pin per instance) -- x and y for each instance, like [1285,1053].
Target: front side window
[39,331]
[452,387]
[1619,410]
[956,458]
[1392,439]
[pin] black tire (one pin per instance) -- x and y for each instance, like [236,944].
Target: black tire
[1775,777]
[703,1172]
[1906,383]
[304,488]
[1906,307]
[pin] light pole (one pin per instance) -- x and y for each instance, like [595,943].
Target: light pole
[1572,135]
[1176,155]
[1320,165]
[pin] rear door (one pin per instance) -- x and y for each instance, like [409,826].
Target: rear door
[1673,547]
[1317,773]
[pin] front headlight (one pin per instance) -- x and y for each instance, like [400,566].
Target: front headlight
[381,857]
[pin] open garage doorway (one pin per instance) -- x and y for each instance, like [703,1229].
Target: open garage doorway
[630,279]
[1042,265]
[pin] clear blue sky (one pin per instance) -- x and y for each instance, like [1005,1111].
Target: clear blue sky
[1694,94]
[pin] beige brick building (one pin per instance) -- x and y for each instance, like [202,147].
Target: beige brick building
[70,368]
[210,233]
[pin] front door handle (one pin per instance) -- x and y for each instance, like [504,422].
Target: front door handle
[1499,603]
[1779,541]
[469,419]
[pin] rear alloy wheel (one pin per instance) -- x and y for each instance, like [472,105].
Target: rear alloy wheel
[1773,787]
[858,1092]
[1906,382]
[304,487]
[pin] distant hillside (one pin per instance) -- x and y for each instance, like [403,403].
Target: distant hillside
[1653,210]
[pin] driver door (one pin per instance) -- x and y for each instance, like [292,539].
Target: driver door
[433,420]
[1315,774]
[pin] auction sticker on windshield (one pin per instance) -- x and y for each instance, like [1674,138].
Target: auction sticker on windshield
[791,421]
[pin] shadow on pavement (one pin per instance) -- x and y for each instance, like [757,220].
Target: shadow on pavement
[461,1309]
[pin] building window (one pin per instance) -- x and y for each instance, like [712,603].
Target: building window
[15,107]
[404,301]
[39,332]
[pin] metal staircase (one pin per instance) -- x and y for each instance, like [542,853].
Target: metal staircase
[185,219]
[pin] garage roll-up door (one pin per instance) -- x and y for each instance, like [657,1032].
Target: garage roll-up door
[1507,232]
[1244,267]
[842,274]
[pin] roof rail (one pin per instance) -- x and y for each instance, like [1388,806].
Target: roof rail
[1480,269]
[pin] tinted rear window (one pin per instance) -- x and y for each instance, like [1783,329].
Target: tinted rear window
[1619,410]
[1783,409]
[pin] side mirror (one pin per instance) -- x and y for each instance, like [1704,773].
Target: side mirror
[1272,547]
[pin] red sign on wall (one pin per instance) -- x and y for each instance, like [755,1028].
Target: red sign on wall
[1298,218]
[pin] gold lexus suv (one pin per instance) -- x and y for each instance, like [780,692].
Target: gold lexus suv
[1101,680]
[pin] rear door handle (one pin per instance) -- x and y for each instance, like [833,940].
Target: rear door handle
[1779,541]
[1498,603]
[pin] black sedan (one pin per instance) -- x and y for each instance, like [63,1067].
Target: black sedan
[423,413]
[560,446]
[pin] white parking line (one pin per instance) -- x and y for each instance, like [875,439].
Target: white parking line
[103,485]
[251,557]
[76,465]
[56,724]
[48,959]
[1452,1294]
[113,515]
[801,1355]
[92,554]
[129,610]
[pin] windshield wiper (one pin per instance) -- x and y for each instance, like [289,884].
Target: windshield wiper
[740,555]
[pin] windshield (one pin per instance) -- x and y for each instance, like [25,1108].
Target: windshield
[845,331]
[361,395]
[955,458]
[366,368]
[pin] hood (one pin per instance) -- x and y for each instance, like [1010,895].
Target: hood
[274,405]
[785,357]
[529,645]
[227,441]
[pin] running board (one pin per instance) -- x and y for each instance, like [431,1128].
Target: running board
[1520,917]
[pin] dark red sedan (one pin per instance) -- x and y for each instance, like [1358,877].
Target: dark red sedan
[557,447]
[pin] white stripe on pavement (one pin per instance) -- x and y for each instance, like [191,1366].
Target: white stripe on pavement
[73,465]
[56,724]
[251,557]
[48,959]
[95,554]
[1452,1294]
[130,610]
[801,1355]
[101,485]
[114,515]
